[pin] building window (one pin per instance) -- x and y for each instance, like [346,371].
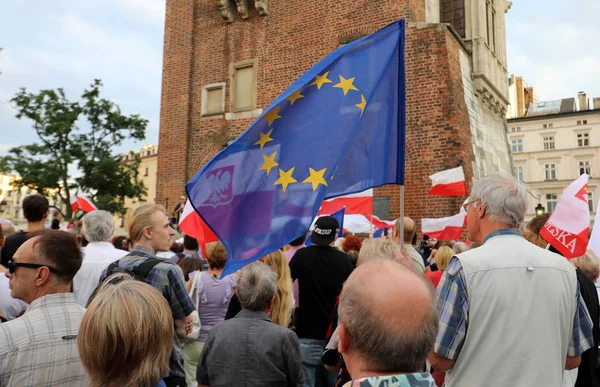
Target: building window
[516,129]
[8,194]
[578,122]
[520,173]
[146,172]
[548,142]
[551,200]
[213,99]
[591,202]
[585,167]
[583,139]
[550,171]
[517,146]
[243,86]
[453,12]
[585,122]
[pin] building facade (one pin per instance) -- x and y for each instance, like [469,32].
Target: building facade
[224,61]
[520,96]
[147,173]
[552,145]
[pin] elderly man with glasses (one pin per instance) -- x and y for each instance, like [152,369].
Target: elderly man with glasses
[40,347]
[511,313]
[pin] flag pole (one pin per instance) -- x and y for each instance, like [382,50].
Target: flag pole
[371,225]
[402,216]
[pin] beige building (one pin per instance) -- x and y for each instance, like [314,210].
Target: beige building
[552,145]
[520,96]
[146,173]
[11,199]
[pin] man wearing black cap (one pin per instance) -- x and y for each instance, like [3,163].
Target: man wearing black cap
[321,271]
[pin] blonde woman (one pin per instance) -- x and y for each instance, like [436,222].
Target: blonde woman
[442,258]
[126,335]
[283,306]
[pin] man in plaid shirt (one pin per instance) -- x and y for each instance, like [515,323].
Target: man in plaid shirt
[510,312]
[40,347]
[150,232]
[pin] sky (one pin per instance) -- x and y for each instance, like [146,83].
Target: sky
[69,43]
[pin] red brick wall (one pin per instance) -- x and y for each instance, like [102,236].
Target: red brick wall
[295,35]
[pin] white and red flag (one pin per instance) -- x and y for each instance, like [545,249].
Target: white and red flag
[192,224]
[446,229]
[569,225]
[450,182]
[84,204]
[74,204]
[358,203]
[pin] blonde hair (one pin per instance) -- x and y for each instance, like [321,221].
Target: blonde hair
[126,335]
[589,264]
[216,255]
[442,257]
[281,313]
[377,248]
[534,238]
[142,218]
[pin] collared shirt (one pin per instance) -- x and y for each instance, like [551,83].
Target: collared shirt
[96,257]
[418,379]
[453,304]
[40,347]
[416,257]
[250,350]
[167,278]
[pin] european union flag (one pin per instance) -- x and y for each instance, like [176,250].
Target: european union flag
[338,129]
[339,216]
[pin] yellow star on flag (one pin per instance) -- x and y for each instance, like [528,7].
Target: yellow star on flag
[271,116]
[285,178]
[293,97]
[269,163]
[316,178]
[362,104]
[264,138]
[346,84]
[320,80]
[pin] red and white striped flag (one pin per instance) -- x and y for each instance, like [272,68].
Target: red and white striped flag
[358,203]
[74,204]
[446,229]
[568,227]
[450,182]
[84,204]
[192,224]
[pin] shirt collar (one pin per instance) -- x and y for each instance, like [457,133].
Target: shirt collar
[247,313]
[143,250]
[52,299]
[503,231]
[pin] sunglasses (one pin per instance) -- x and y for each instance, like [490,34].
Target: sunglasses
[12,266]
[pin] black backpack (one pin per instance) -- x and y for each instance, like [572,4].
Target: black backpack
[139,272]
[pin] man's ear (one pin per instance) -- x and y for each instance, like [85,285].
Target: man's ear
[43,276]
[147,233]
[344,343]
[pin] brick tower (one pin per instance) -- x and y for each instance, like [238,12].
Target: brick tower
[226,60]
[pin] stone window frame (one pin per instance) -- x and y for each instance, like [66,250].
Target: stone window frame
[519,173]
[550,169]
[553,199]
[585,135]
[232,70]
[585,165]
[548,140]
[205,90]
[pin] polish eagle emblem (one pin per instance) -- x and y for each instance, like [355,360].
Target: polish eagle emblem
[220,184]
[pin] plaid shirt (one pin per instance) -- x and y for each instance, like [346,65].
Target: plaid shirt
[40,347]
[167,278]
[453,304]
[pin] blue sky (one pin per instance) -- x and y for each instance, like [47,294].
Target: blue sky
[68,43]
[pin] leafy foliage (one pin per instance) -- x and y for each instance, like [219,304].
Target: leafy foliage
[63,147]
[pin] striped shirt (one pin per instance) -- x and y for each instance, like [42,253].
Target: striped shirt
[40,347]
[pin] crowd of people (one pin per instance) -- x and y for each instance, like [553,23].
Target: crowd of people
[503,310]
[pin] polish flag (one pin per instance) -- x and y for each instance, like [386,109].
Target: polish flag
[444,229]
[450,182]
[568,227]
[84,204]
[358,203]
[74,204]
[192,224]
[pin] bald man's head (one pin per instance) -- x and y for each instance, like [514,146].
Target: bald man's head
[389,317]
[409,230]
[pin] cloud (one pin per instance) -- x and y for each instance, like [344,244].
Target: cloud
[149,10]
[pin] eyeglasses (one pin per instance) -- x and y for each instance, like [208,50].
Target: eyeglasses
[468,205]
[12,266]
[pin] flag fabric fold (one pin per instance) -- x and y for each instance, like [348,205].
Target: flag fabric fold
[450,182]
[449,228]
[568,227]
[358,203]
[337,130]
[191,224]
[84,204]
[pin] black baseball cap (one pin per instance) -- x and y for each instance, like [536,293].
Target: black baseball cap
[325,231]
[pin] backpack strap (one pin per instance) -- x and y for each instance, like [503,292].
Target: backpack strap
[111,268]
[143,269]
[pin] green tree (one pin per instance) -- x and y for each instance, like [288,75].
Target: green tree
[63,147]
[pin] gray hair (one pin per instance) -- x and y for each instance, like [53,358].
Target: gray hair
[505,198]
[98,226]
[377,248]
[256,286]
[460,247]
[386,349]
